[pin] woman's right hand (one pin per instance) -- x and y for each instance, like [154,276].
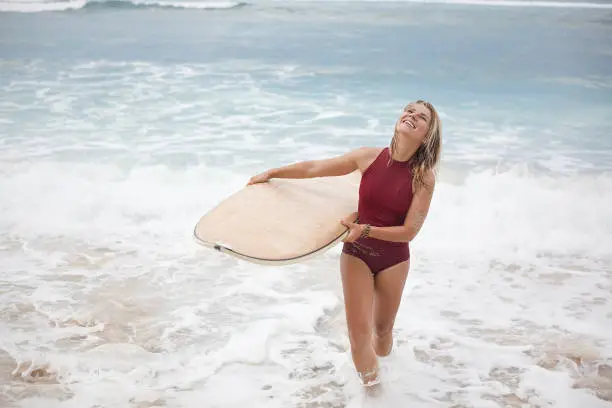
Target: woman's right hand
[260,178]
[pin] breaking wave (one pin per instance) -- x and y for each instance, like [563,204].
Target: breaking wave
[42,6]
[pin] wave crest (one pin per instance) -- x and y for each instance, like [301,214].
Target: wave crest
[42,6]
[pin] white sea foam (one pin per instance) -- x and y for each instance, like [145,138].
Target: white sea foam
[37,6]
[40,6]
[103,274]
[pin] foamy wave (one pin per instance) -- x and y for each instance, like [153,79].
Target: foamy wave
[121,240]
[36,7]
[501,215]
[42,6]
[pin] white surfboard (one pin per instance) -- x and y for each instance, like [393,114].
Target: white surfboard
[281,221]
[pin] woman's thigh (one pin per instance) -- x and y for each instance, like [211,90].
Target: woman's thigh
[389,287]
[358,290]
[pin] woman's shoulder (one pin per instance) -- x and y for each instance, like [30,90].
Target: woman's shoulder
[369,152]
[366,155]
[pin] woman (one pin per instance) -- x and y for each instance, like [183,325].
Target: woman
[395,192]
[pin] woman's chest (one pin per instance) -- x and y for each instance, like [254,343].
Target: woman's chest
[389,189]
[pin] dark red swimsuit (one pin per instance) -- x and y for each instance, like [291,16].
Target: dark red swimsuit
[385,194]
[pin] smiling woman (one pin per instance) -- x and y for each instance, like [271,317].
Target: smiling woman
[395,193]
[423,118]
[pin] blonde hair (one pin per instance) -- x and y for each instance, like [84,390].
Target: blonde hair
[427,155]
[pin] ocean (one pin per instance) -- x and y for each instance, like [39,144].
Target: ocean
[122,122]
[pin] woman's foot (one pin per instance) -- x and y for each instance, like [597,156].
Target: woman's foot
[371,383]
[369,378]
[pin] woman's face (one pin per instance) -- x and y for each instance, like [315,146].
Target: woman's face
[414,122]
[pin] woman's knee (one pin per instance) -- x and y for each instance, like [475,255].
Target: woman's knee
[383,329]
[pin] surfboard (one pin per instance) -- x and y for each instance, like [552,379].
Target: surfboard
[281,221]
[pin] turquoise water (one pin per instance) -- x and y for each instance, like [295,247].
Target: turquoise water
[121,123]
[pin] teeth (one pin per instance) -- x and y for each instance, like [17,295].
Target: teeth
[408,122]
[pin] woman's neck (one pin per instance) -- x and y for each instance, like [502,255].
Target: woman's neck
[404,151]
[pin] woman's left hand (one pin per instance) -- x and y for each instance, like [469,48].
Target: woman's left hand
[355,231]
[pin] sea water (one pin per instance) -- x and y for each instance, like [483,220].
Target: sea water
[122,122]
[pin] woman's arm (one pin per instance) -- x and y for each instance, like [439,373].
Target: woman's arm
[414,218]
[335,166]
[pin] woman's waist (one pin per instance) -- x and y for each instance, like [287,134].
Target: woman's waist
[375,242]
[380,243]
[378,221]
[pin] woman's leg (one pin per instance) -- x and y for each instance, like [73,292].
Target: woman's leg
[358,289]
[389,286]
